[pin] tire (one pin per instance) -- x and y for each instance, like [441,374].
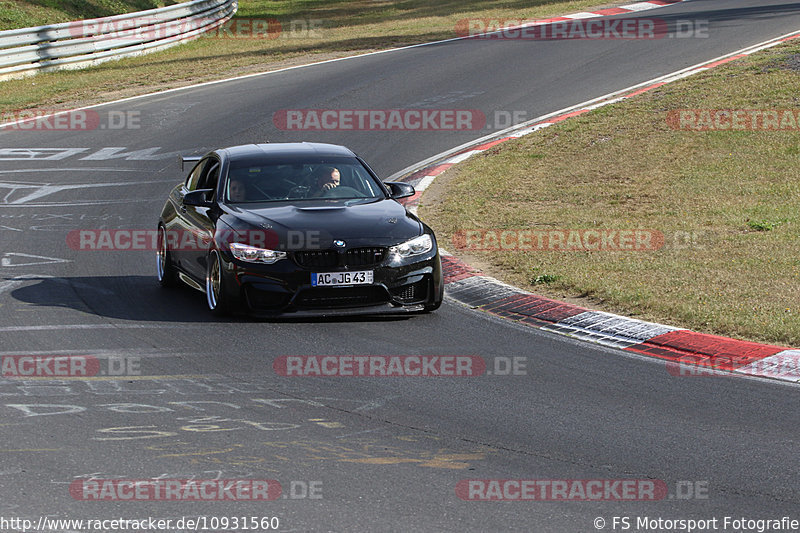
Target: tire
[216,297]
[166,272]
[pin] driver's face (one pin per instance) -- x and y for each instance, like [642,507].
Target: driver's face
[333,179]
[236,191]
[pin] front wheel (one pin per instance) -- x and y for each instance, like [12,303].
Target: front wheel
[218,301]
[166,272]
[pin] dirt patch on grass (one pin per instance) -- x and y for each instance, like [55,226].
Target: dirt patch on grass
[792,62]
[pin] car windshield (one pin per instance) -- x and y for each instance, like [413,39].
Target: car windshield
[251,181]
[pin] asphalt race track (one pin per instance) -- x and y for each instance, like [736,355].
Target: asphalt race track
[199,399]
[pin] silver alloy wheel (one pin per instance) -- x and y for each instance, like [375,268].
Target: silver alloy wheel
[213,281]
[161,254]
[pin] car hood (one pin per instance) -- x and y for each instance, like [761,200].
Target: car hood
[361,222]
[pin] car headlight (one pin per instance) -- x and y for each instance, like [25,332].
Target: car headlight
[416,246]
[251,254]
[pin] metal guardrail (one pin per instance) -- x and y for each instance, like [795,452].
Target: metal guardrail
[84,43]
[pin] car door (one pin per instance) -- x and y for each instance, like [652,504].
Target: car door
[199,222]
[179,226]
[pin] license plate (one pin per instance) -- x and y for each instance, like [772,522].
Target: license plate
[328,279]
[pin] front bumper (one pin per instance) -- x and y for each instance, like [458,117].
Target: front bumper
[285,288]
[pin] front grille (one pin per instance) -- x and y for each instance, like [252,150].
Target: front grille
[317,259]
[365,257]
[332,297]
[415,292]
[352,258]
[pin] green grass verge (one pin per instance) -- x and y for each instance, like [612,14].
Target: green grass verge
[727,203]
[341,28]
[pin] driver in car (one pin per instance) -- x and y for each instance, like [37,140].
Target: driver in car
[237,190]
[326,178]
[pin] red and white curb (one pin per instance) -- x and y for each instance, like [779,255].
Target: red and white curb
[687,353]
[630,8]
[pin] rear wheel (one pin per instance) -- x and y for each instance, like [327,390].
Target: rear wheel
[218,301]
[166,272]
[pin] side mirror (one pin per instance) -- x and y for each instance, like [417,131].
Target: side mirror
[199,198]
[400,190]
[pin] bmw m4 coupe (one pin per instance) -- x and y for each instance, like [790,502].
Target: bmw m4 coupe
[296,228]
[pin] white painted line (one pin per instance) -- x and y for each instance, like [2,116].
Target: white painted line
[462,157]
[609,102]
[33,260]
[526,131]
[39,191]
[46,190]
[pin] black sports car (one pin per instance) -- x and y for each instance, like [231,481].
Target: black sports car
[296,228]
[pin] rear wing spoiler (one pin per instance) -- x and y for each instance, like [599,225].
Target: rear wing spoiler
[190,159]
